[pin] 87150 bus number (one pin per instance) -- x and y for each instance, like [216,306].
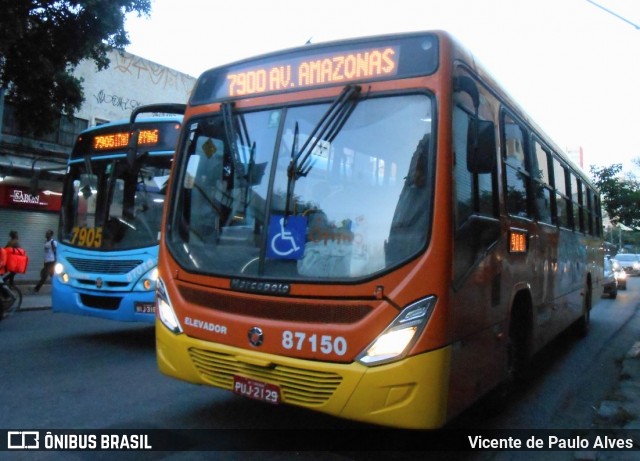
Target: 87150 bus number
[326,344]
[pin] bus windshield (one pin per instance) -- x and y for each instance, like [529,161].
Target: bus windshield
[109,205]
[267,194]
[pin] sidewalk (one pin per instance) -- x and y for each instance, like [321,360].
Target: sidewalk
[35,301]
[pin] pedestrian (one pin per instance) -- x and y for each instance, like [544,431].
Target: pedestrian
[14,241]
[49,260]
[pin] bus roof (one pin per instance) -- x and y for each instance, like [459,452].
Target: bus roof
[121,122]
[158,134]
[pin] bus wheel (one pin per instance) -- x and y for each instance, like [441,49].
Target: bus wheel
[516,369]
[519,343]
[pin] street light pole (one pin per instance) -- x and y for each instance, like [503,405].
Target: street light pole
[620,237]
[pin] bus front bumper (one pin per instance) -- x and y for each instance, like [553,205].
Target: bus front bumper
[118,306]
[410,393]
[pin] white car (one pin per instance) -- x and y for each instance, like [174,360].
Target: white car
[629,262]
[620,274]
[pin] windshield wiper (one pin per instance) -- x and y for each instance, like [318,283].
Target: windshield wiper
[232,133]
[291,173]
[243,177]
[326,129]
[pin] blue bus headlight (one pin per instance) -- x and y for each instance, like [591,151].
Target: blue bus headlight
[148,281]
[401,334]
[58,269]
[165,310]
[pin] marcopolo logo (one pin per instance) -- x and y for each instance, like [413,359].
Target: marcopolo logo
[23,440]
[257,286]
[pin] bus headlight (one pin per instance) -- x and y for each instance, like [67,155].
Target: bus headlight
[396,340]
[148,281]
[58,269]
[165,310]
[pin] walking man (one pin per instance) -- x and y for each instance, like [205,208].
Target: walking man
[49,260]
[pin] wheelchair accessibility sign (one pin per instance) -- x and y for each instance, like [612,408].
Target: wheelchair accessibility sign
[286,237]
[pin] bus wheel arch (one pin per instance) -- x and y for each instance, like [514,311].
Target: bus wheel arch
[582,324]
[520,339]
[518,353]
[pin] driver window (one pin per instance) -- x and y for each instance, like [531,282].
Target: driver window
[475,191]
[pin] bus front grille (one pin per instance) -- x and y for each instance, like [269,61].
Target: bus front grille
[275,309]
[104,266]
[298,386]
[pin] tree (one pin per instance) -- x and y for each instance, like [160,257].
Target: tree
[41,43]
[620,194]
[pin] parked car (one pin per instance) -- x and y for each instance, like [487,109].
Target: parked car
[620,274]
[629,262]
[610,282]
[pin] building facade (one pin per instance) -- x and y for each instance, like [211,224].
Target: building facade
[31,170]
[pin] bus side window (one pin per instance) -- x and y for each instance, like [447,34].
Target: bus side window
[463,180]
[516,171]
[563,200]
[577,201]
[542,190]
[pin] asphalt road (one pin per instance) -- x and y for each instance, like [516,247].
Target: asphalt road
[66,372]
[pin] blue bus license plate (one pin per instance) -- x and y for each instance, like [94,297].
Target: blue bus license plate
[256,389]
[145,308]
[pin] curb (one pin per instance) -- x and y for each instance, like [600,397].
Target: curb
[622,409]
[35,301]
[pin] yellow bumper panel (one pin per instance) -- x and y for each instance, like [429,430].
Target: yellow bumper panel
[411,393]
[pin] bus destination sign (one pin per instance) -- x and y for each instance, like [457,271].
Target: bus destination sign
[310,71]
[313,66]
[110,141]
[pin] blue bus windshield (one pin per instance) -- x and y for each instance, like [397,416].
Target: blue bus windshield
[108,205]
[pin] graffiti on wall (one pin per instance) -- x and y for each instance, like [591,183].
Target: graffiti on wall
[131,81]
[121,102]
[163,77]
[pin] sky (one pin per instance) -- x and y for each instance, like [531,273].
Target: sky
[573,67]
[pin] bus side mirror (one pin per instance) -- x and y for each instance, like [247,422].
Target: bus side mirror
[132,150]
[168,108]
[481,147]
[481,140]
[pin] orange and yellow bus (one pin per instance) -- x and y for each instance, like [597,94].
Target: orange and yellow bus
[370,228]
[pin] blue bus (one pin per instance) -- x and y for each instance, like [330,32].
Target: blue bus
[113,198]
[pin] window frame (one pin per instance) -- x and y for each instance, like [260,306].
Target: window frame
[529,213]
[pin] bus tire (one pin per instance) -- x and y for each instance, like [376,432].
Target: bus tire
[519,341]
[518,357]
